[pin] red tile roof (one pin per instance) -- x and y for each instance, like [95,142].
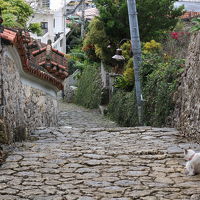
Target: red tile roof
[190,14]
[34,61]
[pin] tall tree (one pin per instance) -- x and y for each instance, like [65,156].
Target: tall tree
[114,15]
[15,12]
[155,17]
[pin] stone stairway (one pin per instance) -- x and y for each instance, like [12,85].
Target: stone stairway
[78,161]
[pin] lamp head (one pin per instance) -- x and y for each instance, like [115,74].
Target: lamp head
[118,56]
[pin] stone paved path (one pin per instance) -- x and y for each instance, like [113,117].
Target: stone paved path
[75,116]
[63,163]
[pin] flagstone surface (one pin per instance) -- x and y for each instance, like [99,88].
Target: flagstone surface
[98,162]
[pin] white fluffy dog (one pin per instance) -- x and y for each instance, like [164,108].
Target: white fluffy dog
[193,162]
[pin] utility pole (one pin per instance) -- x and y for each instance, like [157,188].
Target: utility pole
[83,19]
[136,49]
[64,24]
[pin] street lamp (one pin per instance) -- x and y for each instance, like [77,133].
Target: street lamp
[136,49]
[118,55]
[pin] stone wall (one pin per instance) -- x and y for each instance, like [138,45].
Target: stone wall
[187,110]
[22,107]
[70,88]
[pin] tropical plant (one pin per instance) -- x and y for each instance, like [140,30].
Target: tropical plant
[15,13]
[35,28]
[89,87]
[77,60]
[96,42]
[196,26]
[112,25]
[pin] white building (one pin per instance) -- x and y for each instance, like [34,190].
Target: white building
[51,15]
[190,5]
[89,13]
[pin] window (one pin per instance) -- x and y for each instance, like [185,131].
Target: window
[61,43]
[44,25]
[46,3]
[54,23]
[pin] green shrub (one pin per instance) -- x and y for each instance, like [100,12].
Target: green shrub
[35,28]
[159,80]
[122,108]
[76,60]
[89,88]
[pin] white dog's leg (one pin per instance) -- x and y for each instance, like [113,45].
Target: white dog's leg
[190,169]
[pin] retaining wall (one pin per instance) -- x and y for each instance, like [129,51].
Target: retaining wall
[22,107]
[187,110]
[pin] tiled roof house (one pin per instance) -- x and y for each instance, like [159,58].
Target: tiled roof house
[38,60]
[31,74]
[192,8]
[190,14]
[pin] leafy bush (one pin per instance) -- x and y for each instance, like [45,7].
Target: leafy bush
[15,13]
[176,43]
[89,87]
[152,46]
[122,108]
[35,28]
[96,42]
[76,60]
[73,39]
[159,78]
[126,80]
[196,26]
[126,49]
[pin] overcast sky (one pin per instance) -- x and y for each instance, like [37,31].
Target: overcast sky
[56,4]
[190,6]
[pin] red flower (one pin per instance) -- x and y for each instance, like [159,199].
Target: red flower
[174,35]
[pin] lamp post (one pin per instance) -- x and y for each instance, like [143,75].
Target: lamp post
[136,49]
[64,26]
[83,19]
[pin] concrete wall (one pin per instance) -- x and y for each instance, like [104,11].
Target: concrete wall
[187,98]
[22,107]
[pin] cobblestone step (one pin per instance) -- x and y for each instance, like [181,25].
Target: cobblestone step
[76,116]
[93,162]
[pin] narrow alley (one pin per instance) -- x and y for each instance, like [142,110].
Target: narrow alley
[88,158]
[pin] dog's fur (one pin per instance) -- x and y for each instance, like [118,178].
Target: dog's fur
[193,162]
